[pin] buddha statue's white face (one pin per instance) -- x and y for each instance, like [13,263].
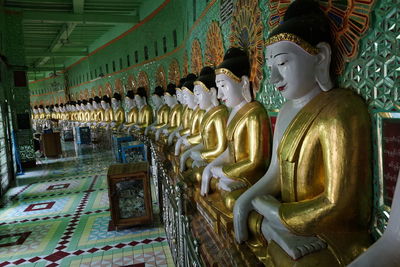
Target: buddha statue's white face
[140,101]
[157,100]
[170,100]
[46,110]
[83,107]
[179,96]
[129,103]
[56,109]
[35,111]
[95,105]
[104,104]
[189,98]
[229,91]
[293,70]
[89,106]
[115,103]
[203,97]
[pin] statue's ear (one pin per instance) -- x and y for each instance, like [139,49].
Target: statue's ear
[214,99]
[323,77]
[246,89]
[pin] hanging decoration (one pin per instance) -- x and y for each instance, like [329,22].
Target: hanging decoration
[108,89]
[161,78]
[131,83]
[247,33]
[118,86]
[214,45]
[196,57]
[143,81]
[185,65]
[93,91]
[349,21]
[100,91]
[173,72]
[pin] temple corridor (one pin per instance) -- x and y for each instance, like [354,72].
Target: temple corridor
[59,215]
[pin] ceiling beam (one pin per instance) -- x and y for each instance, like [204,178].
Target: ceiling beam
[39,69]
[65,17]
[58,42]
[55,54]
[78,6]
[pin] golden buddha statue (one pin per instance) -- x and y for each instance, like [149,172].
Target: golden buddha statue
[175,114]
[98,111]
[186,98]
[248,135]
[85,113]
[132,116]
[161,110]
[313,205]
[47,112]
[118,112]
[91,111]
[163,115]
[146,111]
[108,112]
[41,114]
[195,119]
[212,129]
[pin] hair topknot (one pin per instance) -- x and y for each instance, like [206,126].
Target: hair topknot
[158,91]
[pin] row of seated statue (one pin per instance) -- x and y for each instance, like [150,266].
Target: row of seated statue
[301,195]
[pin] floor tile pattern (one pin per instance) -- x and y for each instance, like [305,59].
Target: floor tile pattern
[59,216]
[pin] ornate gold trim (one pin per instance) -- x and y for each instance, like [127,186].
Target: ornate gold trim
[202,85]
[228,73]
[185,88]
[166,93]
[294,39]
[177,88]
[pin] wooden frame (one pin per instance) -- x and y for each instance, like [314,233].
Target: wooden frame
[130,179]
[387,164]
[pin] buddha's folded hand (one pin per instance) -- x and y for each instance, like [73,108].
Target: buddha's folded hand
[229,185]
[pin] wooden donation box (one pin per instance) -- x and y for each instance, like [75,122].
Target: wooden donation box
[51,144]
[129,194]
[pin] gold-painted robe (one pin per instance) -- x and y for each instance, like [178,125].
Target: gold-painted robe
[175,117]
[213,127]
[145,116]
[325,172]
[100,115]
[132,117]
[162,116]
[195,130]
[119,116]
[108,115]
[87,116]
[187,114]
[249,142]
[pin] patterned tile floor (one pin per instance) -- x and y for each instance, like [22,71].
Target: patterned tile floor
[59,216]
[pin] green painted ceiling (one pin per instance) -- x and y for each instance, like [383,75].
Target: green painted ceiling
[56,30]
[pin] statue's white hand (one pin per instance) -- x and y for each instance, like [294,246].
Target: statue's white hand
[229,185]
[182,161]
[171,138]
[185,141]
[196,155]
[268,206]
[198,163]
[205,180]
[217,172]
[294,245]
